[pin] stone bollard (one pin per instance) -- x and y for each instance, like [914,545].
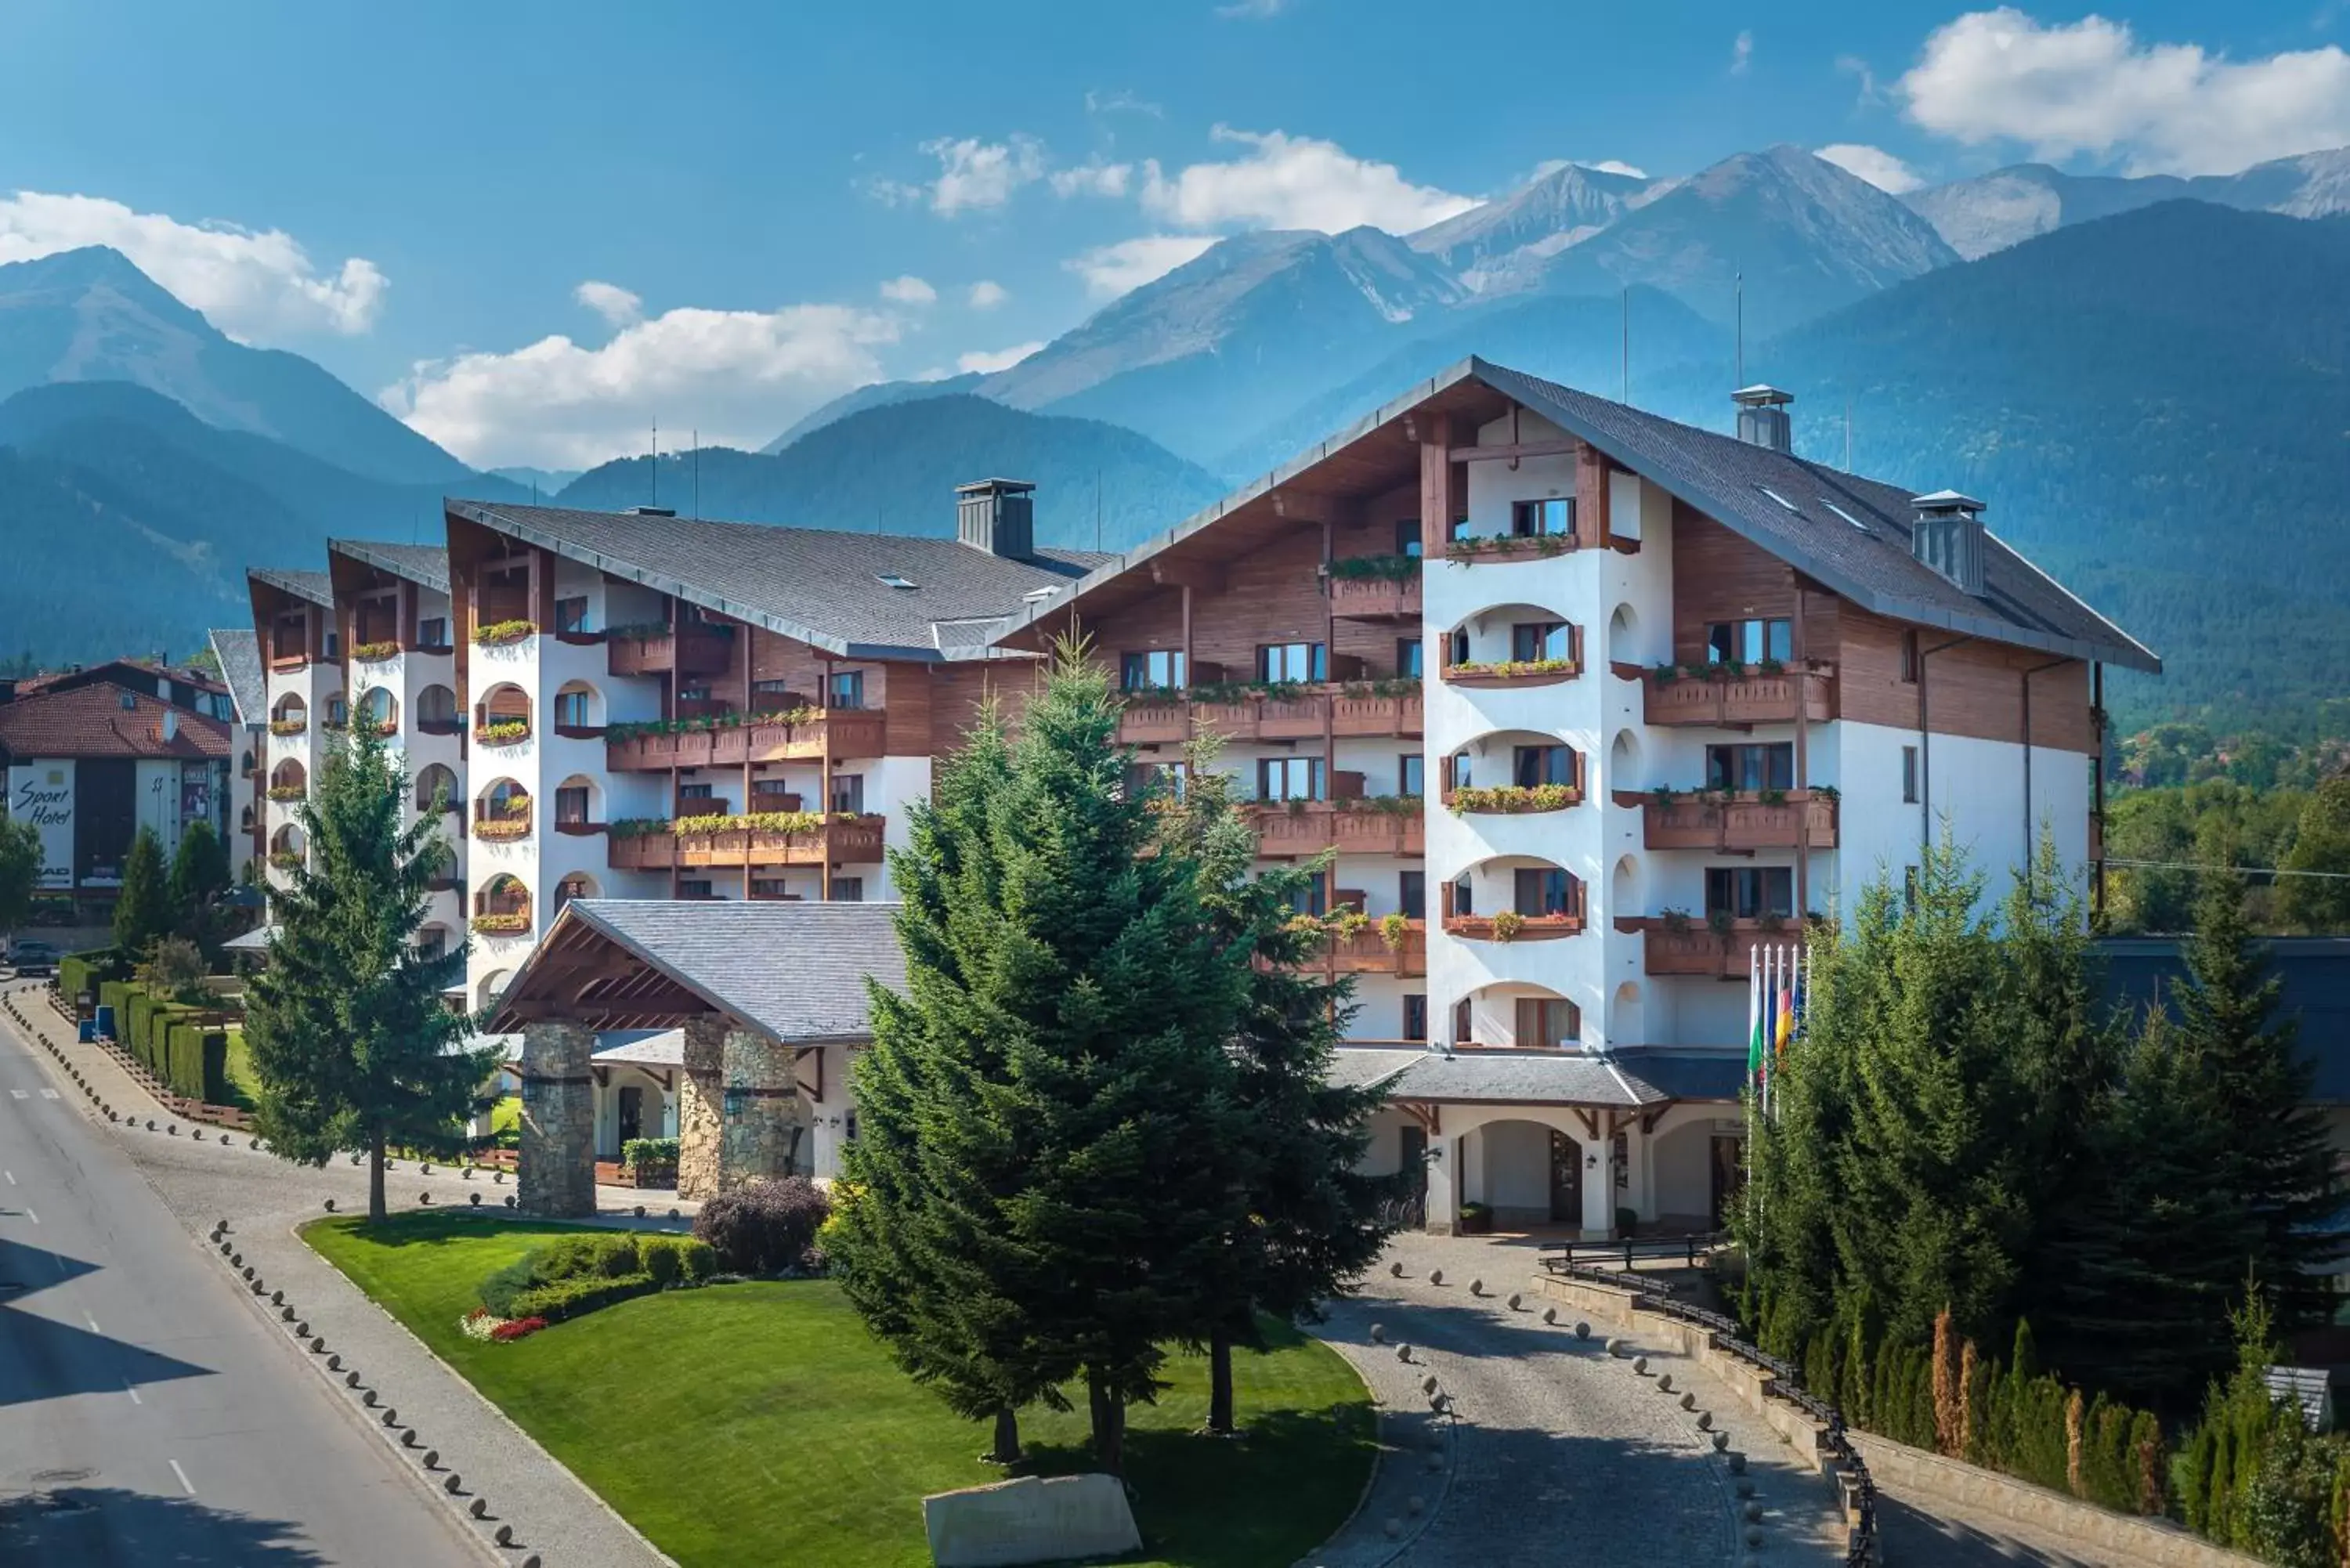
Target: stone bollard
[425,1198]
[1439,1403]
[1614,1347]
[366,1398]
[454,1485]
[335,1362]
[1736,1461]
[151,1124]
[1753,1511]
[286,1314]
[330,1205]
[1753,1535]
[531,1560]
[675,1215]
[1550,1314]
[351,1380]
[1476,1287]
[1582,1331]
[424,1169]
[474,1199]
[1391,1528]
[1378,1334]
[1705,1420]
[479,1508]
[1435,1463]
[1516,1302]
[223,1140]
[408,1437]
[510,1202]
[1665,1382]
[1403,1352]
[1745,1487]
[1436,1276]
[466,1174]
[1689,1401]
[1427,1384]
[504,1537]
[1394,1270]
[1640,1365]
[497,1178]
[1415,1505]
[253,1143]
[390,1416]
[278,1298]
[171,1129]
[431,1458]
[1720,1441]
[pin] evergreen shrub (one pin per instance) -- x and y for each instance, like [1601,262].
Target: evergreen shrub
[765,1228]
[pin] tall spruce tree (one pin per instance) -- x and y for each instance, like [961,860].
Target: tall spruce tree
[1306,1222]
[142,909]
[351,1041]
[1082,988]
[199,874]
[20,870]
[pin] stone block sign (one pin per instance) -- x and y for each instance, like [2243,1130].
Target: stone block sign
[1034,1518]
[699,1096]
[554,1168]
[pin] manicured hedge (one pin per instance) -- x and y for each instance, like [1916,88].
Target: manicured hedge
[115,995]
[78,972]
[578,1274]
[197,1059]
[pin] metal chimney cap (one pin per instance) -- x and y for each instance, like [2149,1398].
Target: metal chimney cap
[1947,501]
[1761,395]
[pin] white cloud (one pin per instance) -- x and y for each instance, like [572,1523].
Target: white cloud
[1252,10]
[987,294]
[1617,166]
[1123,102]
[1742,52]
[1093,177]
[1111,270]
[1550,166]
[2092,87]
[1874,164]
[258,285]
[972,174]
[909,290]
[738,375]
[1871,91]
[1286,181]
[987,363]
[610,301]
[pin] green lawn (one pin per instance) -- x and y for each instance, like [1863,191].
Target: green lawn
[505,1118]
[761,1423]
[244,1086]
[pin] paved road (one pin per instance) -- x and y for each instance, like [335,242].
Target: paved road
[147,1413]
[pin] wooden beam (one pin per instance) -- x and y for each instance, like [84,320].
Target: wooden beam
[1202,574]
[1515,451]
[1435,485]
[1649,1119]
[1590,1122]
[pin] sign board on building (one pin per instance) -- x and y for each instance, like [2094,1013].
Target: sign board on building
[195,792]
[42,793]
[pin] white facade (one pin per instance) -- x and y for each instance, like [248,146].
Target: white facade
[309,694]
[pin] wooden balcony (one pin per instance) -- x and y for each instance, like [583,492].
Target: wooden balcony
[673,652]
[846,732]
[840,843]
[1696,948]
[1170,722]
[1736,823]
[1368,951]
[1286,832]
[1526,929]
[1374,598]
[1738,702]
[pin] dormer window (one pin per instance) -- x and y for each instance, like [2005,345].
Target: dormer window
[893,580]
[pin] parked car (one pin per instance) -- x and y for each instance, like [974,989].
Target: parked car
[33,960]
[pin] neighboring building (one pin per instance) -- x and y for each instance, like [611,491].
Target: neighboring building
[91,761]
[301,655]
[239,653]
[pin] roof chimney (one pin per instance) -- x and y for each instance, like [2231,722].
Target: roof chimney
[997,515]
[1762,417]
[1948,536]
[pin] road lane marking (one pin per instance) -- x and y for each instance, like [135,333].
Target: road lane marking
[184,1482]
[11,1176]
[136,1400]
[93,1324]
[33,1217]
[16,1095]
[48,1094]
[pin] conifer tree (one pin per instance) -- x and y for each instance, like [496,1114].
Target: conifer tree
[1082,988]
[351,1041]
[20,870]
[142,909]
[199,874]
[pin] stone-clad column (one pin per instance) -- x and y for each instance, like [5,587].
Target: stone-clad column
[765,1116]
[555,1174]
[698,1107]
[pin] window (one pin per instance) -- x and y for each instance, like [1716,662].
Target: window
[770,696]
[771,888]
[694,792]
[1909,658]
[1414,1017]
[129,701]
[1457,646]
[571,615]
[334,645]
[848,792]
[1309,899]
[432,941]
[1463,1022]
[1407,537]
[1748,892]
[1412,895]
[1910,775]
[1547,1023]
[1410,774]
[1750,766]
[844,689]
[1150,778]
[1297,661]
[1553,516]
[571,711]
[1543,890]
[848,890]
[1408,658]
[1750,641]
[572,887]
[1537,765]
[1160,669]
[338,714]
[694,888]
[1289,778]
[433,632]
[1464,901]
[1535,640]
[692,695]
[571,806]
[1456,771]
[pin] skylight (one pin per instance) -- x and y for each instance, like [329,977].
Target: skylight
[1780,499]
[893,580]
[1843,513]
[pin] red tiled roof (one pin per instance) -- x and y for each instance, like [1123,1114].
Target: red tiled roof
[91,722]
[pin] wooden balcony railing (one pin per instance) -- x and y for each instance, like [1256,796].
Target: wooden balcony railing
[690,651]
[1511,927]
[1164,721]
[1374,598]
[848,732]
[1286,831]
[1699,695]
[1735,824]
[1721,951]
[1370,951]
[838,842]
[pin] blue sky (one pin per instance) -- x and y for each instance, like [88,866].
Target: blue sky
[779,202]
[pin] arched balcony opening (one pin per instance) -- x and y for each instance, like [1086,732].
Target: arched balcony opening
[378,710]
[287,848]
[578,885]
[502,811]
[579,711]
[245,820]
[436,789]
[502,717]
[289,781]
[1513,770]
[1513,898]
[289,716]
[502,908]
[579,804]
[492,986]
[1512,645]
[1517,1016]
[433,941]
[436,711]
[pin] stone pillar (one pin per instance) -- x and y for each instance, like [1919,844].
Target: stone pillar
[764,1126]
[1598,1189]
[698,1097]
[555,1176]
[1441,1214]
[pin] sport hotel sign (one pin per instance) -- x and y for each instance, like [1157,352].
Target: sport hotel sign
[42,794]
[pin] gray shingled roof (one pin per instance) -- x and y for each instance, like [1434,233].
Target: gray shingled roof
[819,585]
[425,564]
[641,1047]
[1639,1079]
[1688,1075]
[315,587]
[239,652]
[1724,478]
[796,969]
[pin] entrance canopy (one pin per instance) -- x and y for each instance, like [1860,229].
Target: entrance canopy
[793,971]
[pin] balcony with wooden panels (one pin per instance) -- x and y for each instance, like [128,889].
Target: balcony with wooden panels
[1712,695]
[1513,925]
[1376,597]
[843,842]
[688,650]
[841,732]
[1736,823]
[1306,715]
[1295,829]
[1369,951]
[1720,951]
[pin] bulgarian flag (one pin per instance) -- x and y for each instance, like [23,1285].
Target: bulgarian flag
[1757,1017]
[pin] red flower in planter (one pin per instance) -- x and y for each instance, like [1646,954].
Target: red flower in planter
[519,1328]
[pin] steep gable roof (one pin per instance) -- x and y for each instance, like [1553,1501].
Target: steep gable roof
[94,721]
[424,564]
[239,652]
[315,587]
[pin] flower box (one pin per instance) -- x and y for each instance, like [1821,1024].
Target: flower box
[512,733]
[504,633]
[375,652]
[289,726]
[502,925]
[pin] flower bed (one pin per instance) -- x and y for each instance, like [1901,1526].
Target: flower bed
[1514,798]
[502,633]
[375,652]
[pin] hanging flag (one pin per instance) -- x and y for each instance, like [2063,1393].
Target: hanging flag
[1754,1054]
[1785,1027]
